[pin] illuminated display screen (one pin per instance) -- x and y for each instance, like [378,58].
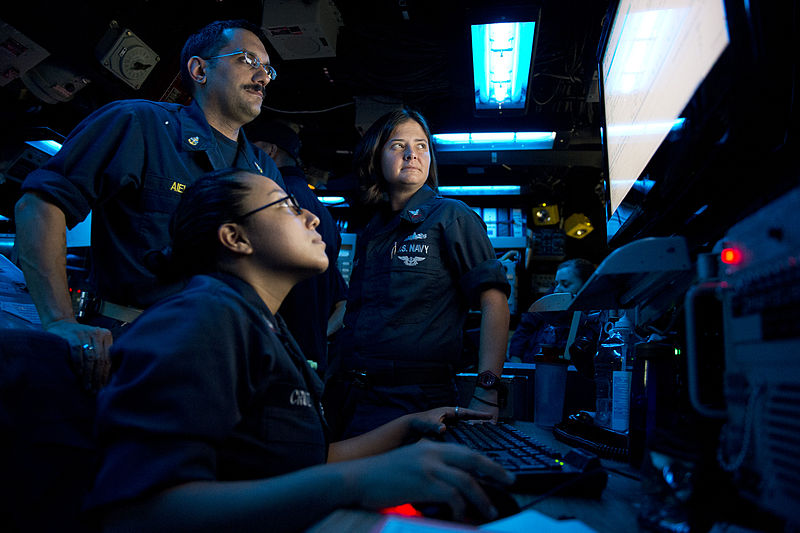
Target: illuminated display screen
[657,54]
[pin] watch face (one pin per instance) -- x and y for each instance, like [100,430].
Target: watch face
[486,379]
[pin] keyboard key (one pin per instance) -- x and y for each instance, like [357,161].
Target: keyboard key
[538,467]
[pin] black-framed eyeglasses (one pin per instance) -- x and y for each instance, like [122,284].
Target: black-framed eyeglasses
[252,61]
[291,203]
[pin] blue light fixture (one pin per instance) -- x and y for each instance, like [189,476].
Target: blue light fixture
[333,201]
[479,190]
[511,140]
[502,53]
[49,147]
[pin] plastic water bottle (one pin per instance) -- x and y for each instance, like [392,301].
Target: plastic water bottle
[622,378]
[604,363]
[610,373]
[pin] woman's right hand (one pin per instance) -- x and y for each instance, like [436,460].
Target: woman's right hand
[426,472]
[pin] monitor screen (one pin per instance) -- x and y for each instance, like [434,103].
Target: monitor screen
[656,54]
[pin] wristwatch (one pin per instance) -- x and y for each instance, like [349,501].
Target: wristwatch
[489,380]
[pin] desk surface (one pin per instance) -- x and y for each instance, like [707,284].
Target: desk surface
[616,510]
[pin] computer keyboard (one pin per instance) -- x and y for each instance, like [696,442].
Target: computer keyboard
[538,468]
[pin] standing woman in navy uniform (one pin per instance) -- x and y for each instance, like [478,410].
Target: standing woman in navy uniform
[212,420]
[420,264]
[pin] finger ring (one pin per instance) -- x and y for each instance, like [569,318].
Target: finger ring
[88,347]
[457,411]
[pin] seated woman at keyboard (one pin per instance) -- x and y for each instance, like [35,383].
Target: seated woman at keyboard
[212,419]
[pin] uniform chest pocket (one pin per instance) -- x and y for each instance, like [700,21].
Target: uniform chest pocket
[290,424]
[409,290]
[160,194]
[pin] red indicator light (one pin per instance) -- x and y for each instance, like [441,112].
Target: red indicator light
[731,256]
[404,510]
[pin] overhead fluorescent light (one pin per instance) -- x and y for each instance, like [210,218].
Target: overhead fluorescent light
[482,190]
[333,201]
[502,54]
[472,142]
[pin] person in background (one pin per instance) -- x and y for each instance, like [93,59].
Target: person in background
[215,423]
[128,163]
[420,264]
[552,329]
[572,275]
[314,303]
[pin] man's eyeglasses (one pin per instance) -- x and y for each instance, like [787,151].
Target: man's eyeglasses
[252,61]
[289,200]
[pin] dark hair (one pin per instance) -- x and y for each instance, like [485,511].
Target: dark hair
[582,267]
[367,156]
[208,41]
[216,198]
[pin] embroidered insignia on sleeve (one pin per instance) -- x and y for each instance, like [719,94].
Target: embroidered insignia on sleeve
[410,261]
[193,140]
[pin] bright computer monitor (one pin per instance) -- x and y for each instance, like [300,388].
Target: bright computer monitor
[655,56]
[699,115]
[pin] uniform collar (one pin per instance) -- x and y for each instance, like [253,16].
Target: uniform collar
[247,292]
[419,205]
[197,136]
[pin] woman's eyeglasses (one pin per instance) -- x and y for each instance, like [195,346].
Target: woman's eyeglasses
[290,201]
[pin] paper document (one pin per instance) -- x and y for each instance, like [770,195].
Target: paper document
[524,521]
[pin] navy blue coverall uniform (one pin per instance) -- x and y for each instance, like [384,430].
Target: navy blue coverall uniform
[416,274]
[129,162]
[309,304]
[209,385]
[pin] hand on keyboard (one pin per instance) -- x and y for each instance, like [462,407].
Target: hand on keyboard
[427,471]
[436,420]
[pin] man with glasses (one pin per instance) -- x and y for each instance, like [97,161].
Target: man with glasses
[128,163]
[251,60]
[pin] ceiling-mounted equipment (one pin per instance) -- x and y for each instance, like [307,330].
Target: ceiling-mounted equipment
[52,82]
[479,190]
[18,54]
[578,226]
[302,30]
[503,47]
[125,55]
[480,141]
[545,215]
